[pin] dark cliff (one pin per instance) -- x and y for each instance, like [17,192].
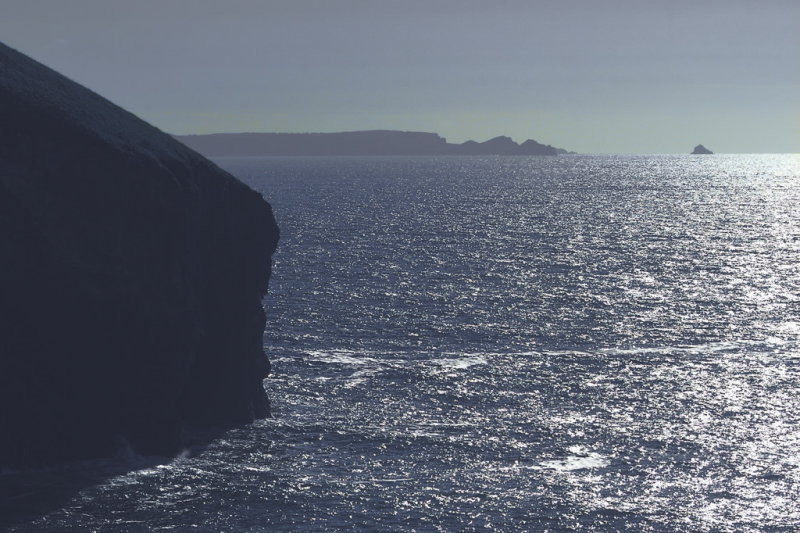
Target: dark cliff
[132,271]
[355,143]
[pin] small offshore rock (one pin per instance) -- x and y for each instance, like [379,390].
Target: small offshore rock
[701,150]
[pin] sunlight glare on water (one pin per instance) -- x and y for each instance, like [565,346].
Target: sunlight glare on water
[585,343]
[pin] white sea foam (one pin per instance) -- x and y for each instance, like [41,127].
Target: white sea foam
[458,363]
[341,357]
[713,347]
[359,377]
[582,459]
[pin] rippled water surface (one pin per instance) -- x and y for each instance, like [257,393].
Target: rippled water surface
[511,344]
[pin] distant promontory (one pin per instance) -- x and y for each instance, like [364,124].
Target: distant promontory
[701,150]
[375,142]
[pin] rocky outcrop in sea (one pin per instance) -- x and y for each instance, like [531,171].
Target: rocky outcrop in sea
[132,275]
[701,150]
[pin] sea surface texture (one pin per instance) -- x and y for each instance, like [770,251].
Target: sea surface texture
[577,343]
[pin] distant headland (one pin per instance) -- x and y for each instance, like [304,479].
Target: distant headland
[375,142]
[701,150]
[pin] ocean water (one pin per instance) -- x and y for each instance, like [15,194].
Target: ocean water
[578,343]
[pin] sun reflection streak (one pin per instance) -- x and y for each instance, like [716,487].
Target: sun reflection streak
[590,344]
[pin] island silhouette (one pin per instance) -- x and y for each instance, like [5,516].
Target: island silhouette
[701,150]
[356,143]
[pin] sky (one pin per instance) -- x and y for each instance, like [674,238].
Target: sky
[610,76]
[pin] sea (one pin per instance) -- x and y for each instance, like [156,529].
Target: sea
[499,343]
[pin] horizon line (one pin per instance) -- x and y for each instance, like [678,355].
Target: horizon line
[445,139]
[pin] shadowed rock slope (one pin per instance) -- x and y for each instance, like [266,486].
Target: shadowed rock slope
[132,271]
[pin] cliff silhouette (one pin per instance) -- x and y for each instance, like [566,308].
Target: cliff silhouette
[355,143]
[132,276]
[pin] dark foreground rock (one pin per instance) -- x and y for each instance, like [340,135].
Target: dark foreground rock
[131,277]
[701,150]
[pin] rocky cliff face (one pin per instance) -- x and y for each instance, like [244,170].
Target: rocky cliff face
[131,277]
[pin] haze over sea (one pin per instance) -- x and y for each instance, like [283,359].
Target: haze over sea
[584,343]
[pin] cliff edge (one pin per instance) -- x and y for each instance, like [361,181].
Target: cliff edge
[132,275]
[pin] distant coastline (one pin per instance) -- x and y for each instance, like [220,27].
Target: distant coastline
[374,142]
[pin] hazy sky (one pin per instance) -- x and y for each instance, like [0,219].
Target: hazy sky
[590,76]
